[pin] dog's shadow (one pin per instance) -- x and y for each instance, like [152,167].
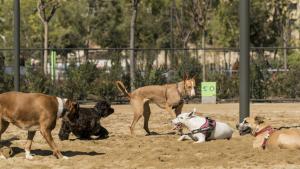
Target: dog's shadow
[39,152]
[7,142]
[88,139]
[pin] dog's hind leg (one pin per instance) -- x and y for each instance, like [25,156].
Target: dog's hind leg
[200,138]
[147,113]
[3,126]
[138,109]
[184,137]
[30,136]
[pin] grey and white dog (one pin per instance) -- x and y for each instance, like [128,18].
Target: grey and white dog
[202,129]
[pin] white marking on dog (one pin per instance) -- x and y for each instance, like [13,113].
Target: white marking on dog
[193,93]
[2,156]
[193,122]
[28,155]
[65,157]
[60,106]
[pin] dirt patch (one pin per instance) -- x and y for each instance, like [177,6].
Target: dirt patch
[121,150]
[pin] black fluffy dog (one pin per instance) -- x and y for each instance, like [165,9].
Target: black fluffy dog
[86,122]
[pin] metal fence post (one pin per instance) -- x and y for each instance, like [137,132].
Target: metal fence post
[244,59]
[17,44]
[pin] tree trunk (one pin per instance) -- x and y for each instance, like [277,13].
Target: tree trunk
[45,47]
[132,51]
[203,57]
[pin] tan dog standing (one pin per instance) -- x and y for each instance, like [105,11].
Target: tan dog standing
[268,137]
[168,97]
[32,112]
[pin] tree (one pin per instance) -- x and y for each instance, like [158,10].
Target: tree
[46,10]
[132,37]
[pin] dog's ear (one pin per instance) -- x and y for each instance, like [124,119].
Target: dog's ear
[68,103]
[259,119]
[71,105]
[253,115]
[99,105]
[194,77]
[185,77]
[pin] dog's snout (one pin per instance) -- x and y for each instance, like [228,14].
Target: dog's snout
[237,126]
[112,110]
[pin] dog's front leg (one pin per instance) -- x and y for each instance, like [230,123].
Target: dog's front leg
[64,131]
[46,133]
[184,137]
[101,132]
[3,127]
[30,136]
[200,137]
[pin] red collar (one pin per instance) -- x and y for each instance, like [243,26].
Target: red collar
[268,128]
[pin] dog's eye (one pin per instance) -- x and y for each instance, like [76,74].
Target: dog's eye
[181,117]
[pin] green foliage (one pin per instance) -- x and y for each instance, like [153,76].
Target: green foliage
[227,87]
[150,77]
[79,80]
[190,66]
[36,81]
[6,82]
[106,24]
[223,27]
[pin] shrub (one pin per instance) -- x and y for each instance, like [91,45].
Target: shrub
[79,80]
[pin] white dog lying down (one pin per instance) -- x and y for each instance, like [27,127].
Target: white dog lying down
[202,129]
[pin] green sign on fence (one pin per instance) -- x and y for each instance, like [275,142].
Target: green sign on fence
[53,64]
[208,89]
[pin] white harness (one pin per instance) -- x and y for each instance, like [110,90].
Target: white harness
[60,106]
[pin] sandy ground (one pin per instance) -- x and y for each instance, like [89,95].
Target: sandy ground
[162,151]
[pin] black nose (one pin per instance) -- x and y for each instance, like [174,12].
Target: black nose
[237,126]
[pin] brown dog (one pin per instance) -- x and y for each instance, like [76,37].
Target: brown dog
[32,112]
[168,97]
[268,137]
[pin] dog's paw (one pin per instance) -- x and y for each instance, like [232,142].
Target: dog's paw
[29,156]
[152,133]
[95,137]
[198,142]
[181,138]
[2,157]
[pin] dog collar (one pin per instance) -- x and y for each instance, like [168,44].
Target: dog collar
[268,128]
[60,110]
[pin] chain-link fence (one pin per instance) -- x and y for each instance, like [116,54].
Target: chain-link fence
[91,73]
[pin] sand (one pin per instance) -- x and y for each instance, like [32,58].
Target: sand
[161,151]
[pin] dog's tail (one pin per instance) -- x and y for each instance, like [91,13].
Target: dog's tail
[122,88]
